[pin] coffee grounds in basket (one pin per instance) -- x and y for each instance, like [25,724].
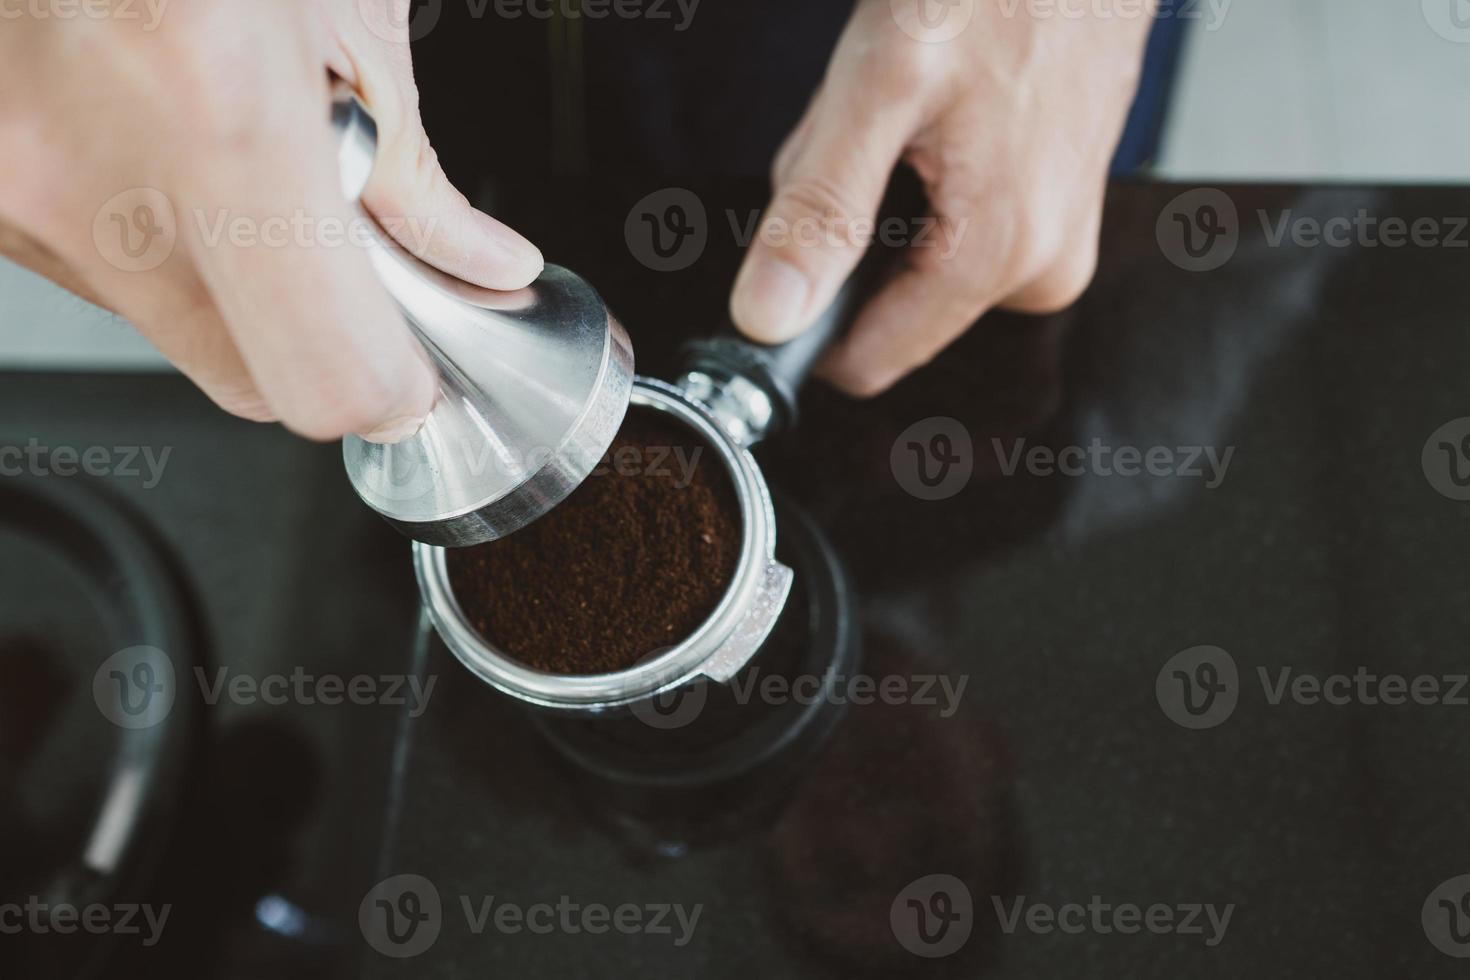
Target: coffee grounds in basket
[632,562]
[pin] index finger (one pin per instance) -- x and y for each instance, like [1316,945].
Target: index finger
[281,251]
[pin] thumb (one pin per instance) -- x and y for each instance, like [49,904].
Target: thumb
[412,198]
[828,187]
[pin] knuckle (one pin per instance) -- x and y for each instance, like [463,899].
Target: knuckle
[868,383]
[243,401]
[29,193]
[335,410]
[1065,282]
[960,278]
[408,170]
[897,67]
[1038,243]
[814,221]
[1070,290]
[395,106]
[423,166]
[865,374]
[815,196]
[907,68]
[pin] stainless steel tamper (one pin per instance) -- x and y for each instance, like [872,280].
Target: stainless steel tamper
[533,385]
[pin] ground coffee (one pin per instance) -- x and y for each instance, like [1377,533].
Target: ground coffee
[633,561]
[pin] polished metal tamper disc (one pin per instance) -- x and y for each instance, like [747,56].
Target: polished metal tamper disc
[533,386]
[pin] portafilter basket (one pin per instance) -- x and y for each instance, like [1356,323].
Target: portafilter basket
[498,451]
[732,395]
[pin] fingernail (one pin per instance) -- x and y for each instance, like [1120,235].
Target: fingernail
[395,430]
[527,262]
[770,297]
[512,260]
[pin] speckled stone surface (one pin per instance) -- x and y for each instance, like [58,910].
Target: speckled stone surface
[1331,544]
[1059,776]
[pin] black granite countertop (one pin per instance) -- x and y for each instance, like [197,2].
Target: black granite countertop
[1175,523]
[1322,547]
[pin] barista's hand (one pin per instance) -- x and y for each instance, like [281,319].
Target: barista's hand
[216,111]
[1011,125]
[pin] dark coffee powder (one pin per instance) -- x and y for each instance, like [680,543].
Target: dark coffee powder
[633,561]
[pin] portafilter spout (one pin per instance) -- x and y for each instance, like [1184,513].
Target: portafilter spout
[533,385]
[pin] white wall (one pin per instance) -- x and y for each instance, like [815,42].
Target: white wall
[1356,90]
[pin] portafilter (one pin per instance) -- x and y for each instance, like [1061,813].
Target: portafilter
[533,385]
